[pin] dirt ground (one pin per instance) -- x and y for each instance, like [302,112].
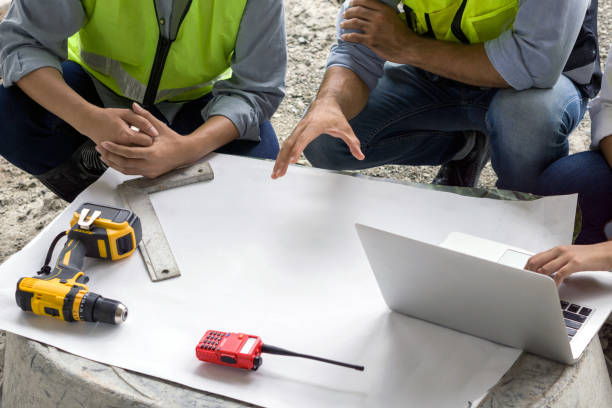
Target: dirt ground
[26,206]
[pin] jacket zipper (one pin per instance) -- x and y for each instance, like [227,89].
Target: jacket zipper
[456,24]
[159,62]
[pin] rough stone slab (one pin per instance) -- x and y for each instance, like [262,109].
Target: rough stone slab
[37,375]
[536,382]
[2,345]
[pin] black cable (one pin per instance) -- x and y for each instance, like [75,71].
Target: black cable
[46,269]
[282,352]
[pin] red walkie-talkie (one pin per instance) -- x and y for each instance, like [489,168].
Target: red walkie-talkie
[244,351]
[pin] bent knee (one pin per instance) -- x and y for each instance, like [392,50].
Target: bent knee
[328,152]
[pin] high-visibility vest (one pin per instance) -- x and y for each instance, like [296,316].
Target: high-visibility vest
[466,21]
[130,50]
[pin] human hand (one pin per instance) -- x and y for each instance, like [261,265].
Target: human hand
[560,262]
[322,117]
[115,125]
[167,152]
[381,29]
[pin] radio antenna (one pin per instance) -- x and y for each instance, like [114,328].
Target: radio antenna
[282,352]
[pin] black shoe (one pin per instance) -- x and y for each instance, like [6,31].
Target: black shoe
[466,172]
[69,179]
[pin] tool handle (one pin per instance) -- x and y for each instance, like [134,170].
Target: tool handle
[70,261]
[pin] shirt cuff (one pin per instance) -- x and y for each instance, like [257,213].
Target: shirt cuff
[348,62]
[25,60]
[505,61]
[238,111]
[601,123]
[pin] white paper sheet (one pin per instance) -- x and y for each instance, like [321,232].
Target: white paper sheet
[281,259]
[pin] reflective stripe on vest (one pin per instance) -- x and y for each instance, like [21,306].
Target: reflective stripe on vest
[466,21]
[131,88]
[119,43]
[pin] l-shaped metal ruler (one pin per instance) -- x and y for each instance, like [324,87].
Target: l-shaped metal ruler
[154,246]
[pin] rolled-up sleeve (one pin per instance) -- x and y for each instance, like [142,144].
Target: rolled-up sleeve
[34,34]
[259,65]
[357,57]
[601,110]
[534,52]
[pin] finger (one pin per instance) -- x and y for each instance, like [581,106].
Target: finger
[370,4]
[117,165]
[562,274]
[367,4]
[133,137]
[541,259]
[283,159]
[148,115]
[142,123]
[353,143]
[553,266]
[127,151]
[362,13]
[356,38]
[354,24]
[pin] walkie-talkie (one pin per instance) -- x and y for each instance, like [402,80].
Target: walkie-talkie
[244,351]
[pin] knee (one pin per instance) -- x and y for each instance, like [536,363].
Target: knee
[327,152]
[13,121]
[534,118]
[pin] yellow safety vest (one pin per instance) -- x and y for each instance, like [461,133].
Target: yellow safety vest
[121,44]
[466,21]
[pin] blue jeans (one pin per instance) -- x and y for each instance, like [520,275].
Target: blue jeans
[37,141]
[589,175]
[414,118]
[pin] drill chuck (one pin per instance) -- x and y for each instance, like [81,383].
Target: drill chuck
[95,308]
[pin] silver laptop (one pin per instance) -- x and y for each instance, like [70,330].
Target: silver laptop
[479,287]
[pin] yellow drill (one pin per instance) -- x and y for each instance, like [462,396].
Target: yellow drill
[96,231]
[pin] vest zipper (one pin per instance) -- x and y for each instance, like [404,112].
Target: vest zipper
[456,24]
[159,62]
[163,49]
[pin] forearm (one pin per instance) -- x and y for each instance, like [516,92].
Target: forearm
[216,132]
[343,87]
[47,87]
[606,149]
[468,64]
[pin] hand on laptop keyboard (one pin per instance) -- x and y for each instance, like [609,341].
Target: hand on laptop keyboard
[560,262]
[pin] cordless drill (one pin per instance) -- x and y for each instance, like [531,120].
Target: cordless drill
[96,231]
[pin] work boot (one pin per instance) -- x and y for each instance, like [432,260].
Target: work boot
[69,179]
[465,172]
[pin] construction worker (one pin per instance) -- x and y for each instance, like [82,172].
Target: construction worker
[412,88]
[151,85]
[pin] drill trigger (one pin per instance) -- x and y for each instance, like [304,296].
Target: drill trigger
[82,279]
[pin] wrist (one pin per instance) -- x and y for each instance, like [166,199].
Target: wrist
[84,118]
[608,255]
[414,49]
[325,103]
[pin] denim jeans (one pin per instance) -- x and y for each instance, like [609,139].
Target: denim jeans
[37,141]
[415,118]
[589,175]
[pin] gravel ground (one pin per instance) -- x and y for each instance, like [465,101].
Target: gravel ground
[26,206]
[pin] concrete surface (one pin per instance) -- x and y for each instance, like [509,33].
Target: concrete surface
[42,376]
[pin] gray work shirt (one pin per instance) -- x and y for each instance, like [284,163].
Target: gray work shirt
[34,35]
[530,55]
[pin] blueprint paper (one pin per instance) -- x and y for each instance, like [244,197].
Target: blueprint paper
[281,260]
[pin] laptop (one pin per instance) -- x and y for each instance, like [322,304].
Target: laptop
[479,287]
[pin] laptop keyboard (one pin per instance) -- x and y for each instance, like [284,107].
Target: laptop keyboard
[574,316]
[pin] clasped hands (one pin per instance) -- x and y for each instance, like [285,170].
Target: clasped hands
[134,142]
